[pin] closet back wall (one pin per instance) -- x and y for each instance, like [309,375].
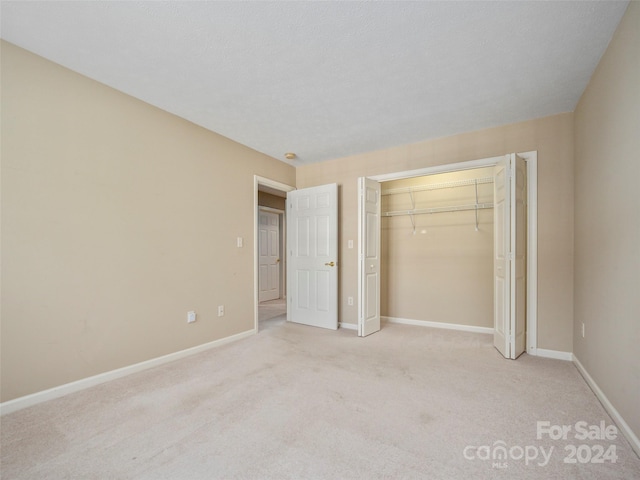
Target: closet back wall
[443,272]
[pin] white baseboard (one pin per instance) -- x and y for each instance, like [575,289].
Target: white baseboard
[608,406]
[448,326]
[62,390]
[556,354]
[349,326]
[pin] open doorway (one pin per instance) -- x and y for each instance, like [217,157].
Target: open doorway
[270,296]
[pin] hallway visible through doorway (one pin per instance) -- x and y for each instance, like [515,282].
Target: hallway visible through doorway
[269,197]
[271,311]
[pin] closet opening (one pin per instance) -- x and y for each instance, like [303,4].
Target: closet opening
[447,255]
[437,250]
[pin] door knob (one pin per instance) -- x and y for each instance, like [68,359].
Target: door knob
[330,264]
[278,260]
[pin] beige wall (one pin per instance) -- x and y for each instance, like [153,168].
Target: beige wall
[272,201]
[446,254]
[552,137]
[112,228]
[607,222]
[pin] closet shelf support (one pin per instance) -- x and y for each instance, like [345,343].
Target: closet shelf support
[476,205]
[424,211]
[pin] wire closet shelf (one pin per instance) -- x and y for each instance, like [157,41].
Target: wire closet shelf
[438,186]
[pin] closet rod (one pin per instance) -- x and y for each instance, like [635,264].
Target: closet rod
[438,186]
[423,211]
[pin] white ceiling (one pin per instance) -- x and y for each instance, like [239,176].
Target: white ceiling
[329,79]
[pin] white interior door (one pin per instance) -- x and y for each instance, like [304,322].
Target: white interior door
[510,256]
[369,200]
[312,255]
[269,256]
[501,252]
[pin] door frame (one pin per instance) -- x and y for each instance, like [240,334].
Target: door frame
[532,225]
[280,187]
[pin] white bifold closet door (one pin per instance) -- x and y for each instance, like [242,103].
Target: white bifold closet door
[312,256]
[510,255]
[369,201]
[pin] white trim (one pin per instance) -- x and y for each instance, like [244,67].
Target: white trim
[608,406]
[262,208]
[532,225]
[449,167]
[532,250]
[555,354]
[361,260]
[447,326]
[267,182]
[72,387]
[348,326]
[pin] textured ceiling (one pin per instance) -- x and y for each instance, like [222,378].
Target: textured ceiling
[328,79]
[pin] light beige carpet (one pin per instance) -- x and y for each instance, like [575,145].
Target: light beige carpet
[271,308]
[300,402]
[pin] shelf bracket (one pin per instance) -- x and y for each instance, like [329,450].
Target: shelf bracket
[413,207]
[476,183]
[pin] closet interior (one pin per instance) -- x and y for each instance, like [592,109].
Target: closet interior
[437,248]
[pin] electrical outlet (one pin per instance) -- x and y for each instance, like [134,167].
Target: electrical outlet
[582,329]
[191,317]
[350,301]
[221,310]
